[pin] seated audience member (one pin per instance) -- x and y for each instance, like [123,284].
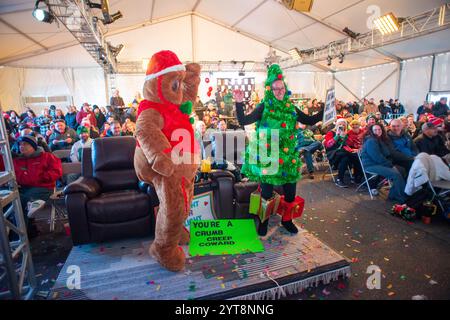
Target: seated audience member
[99,117]
[128,128]
[376,157]
[71,118]
[84,142]
[37,172]
[397,107]
[308,146]
[404,148]
[423,109]
[221,127]
[340,155]
[43,122]
[200,129]
[355,136]
[440,108]
[363,123]
[384,109]
[431,142]
[93,131]
[62,137]
[371,120]
[86,112]
[223,109]
[52,111]
[104,130]
[59,115]
[131,112]
[411,127]
[25,130]
[371,107]
[379,119]
[115,130]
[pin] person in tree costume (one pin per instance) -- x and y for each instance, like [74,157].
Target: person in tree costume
[272,157]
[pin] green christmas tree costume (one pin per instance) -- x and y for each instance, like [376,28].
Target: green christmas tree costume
[272,156]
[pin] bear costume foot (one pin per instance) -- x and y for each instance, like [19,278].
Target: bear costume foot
[171,258]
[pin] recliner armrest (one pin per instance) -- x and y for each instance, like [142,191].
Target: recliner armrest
[216,174]
[88,186]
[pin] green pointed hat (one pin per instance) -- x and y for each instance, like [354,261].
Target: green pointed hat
[274,73]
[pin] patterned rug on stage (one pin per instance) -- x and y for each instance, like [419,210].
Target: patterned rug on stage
[124,271]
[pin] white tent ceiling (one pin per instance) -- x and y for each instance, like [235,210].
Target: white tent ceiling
[212,30]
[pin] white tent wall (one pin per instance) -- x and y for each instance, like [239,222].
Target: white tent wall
[415,83]
[441,75]
[10,88]
[367,81]
[128,85]
[89,86]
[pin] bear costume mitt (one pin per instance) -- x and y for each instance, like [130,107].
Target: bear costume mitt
[167,154]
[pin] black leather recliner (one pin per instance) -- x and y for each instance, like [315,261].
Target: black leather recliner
[106,203]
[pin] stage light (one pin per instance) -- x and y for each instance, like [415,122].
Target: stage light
[295,54]
[387,24]
[329,60]
[104,6]
[111,18]
[41,14]
[350,33]
[341,57]
[115,50]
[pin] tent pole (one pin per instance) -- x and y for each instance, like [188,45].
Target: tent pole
[400,76]
[432,72]
[106,86]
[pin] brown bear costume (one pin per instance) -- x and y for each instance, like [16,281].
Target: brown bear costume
[167,154]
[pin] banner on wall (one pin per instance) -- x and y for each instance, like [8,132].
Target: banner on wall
[329,114]
[202,208]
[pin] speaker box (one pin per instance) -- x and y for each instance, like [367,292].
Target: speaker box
[299,5]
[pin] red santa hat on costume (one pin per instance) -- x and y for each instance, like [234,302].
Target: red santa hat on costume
[161,63]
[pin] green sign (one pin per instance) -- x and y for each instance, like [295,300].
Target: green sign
[219,237]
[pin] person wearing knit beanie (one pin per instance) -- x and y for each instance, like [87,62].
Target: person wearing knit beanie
[272,157]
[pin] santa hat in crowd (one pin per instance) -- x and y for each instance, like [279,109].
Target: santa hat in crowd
[436,121]
[161,63]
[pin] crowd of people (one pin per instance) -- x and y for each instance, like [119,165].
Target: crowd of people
[34,141]
[387,149]
[384,135]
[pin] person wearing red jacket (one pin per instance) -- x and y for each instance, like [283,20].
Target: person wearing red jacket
[86,112]
[36,173]
[340,154]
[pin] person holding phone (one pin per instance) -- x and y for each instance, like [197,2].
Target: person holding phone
[340,154]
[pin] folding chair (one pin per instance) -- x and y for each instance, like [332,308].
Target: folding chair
[330,167]
[372,176]
[444,186]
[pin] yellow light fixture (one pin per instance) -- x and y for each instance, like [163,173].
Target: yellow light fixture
[295,54]
[387,24]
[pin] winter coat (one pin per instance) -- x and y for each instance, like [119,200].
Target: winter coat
[440,110]
[426,168]
[56,135]
[41,170]
[81,115]
[376,152]
[71,120]
[433,145]
[404,144]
